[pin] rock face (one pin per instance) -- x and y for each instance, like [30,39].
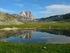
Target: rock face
[7,19]
[26,16]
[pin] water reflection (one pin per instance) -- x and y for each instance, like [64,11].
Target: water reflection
[27,34]
[32,36]
[58,32]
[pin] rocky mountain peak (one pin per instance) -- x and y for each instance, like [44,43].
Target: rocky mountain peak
[26,15]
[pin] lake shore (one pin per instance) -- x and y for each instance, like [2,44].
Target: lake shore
[9,47]
[40,25]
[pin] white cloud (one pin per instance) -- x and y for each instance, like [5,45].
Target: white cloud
[56,9]
[6,10]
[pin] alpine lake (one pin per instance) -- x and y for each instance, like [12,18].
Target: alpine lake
[34,36]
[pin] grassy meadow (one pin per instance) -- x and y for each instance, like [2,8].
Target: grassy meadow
[33,48]
[42,25]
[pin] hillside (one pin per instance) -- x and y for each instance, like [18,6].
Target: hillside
[64,17]
[6,19]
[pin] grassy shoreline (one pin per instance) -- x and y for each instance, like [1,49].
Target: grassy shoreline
[41,25]
[33,48]
[8,47]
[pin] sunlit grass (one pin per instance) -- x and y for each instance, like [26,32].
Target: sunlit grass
[33,48]
[42,25]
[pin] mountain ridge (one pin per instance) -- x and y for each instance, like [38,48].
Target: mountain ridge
[64,17]
[6,18]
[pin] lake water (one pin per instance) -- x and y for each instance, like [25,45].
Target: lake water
[32,36]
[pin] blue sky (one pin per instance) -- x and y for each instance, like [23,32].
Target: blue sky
[39,8]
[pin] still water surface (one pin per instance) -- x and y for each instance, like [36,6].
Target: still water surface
[32,36]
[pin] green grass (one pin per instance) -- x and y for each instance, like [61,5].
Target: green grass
[33,48]
[42,25]
[37,48]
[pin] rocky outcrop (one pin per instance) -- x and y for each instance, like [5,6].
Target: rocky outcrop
[26,16]
[6,18]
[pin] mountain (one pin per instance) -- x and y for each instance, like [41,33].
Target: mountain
[64,17]
[6,19]
[26,16]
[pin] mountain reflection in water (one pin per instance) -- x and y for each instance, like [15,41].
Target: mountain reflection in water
[57,32]
[32,36]
[27,34]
